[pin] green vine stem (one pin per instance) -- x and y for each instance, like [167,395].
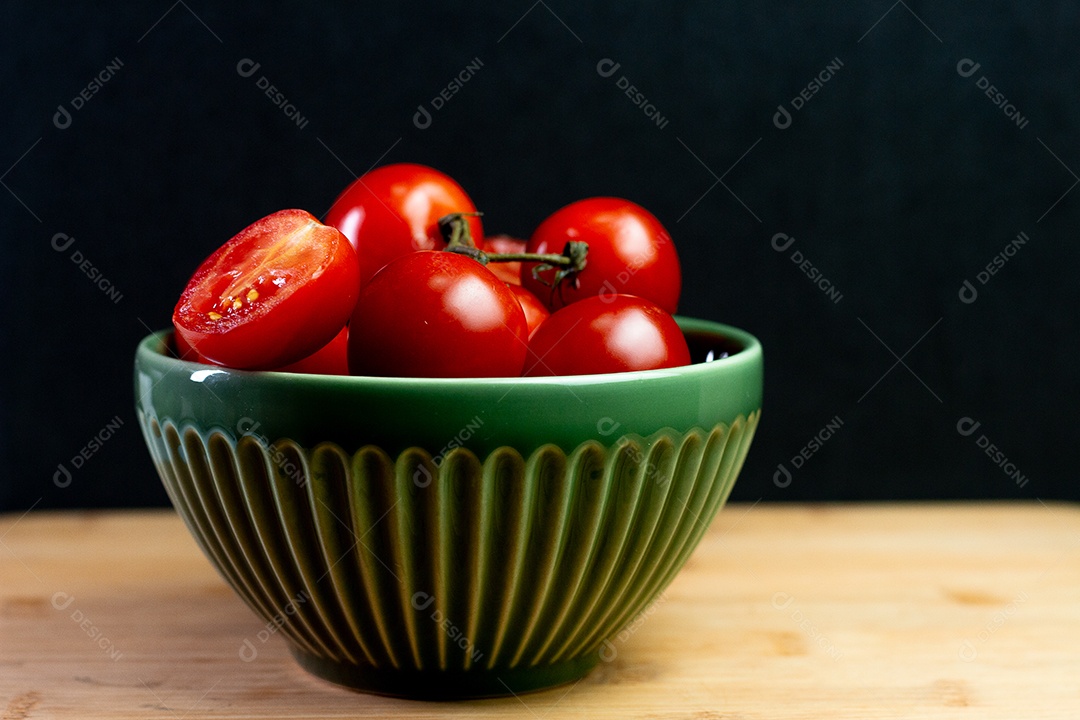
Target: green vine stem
[455,231]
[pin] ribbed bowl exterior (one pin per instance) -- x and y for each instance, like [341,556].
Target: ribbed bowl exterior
[498,564]
[489,564]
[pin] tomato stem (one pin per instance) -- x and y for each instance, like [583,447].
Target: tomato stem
[572,260]
[455,229]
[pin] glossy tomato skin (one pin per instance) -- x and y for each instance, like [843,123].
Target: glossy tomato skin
[331,359]
[186,352]
[276,292]
[606,335]
[630,253]
[437,314]
[535,311]
[509,272]
[394,210]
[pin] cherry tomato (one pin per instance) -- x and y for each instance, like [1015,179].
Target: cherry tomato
[186,352]
[630,253]
[331,359]
[394,210]
[437,314]
[276,292]
[606,334]
[508,272]
[535,312]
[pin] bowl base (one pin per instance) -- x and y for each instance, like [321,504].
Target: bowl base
[445,684]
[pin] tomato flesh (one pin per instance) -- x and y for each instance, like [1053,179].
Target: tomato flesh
[276,292]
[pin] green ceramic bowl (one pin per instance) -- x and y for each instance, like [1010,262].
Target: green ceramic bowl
[435,538]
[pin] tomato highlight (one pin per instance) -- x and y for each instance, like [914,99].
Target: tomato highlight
[394,210]
[613,334]
[437,314]
[630,253]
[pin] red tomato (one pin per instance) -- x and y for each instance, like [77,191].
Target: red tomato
[437,314]
[606,335]
[535,312]
[508,272]
[276,292]
[630,253]
[394,210]
[186,352]
[330,359]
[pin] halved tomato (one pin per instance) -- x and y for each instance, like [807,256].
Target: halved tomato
[275,293]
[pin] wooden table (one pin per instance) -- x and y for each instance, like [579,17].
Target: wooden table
[796,611]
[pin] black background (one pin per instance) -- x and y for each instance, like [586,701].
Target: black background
[899,180]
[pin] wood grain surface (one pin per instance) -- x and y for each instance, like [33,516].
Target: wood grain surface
[796,611]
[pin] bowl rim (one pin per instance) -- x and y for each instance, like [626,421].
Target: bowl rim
[154,349]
